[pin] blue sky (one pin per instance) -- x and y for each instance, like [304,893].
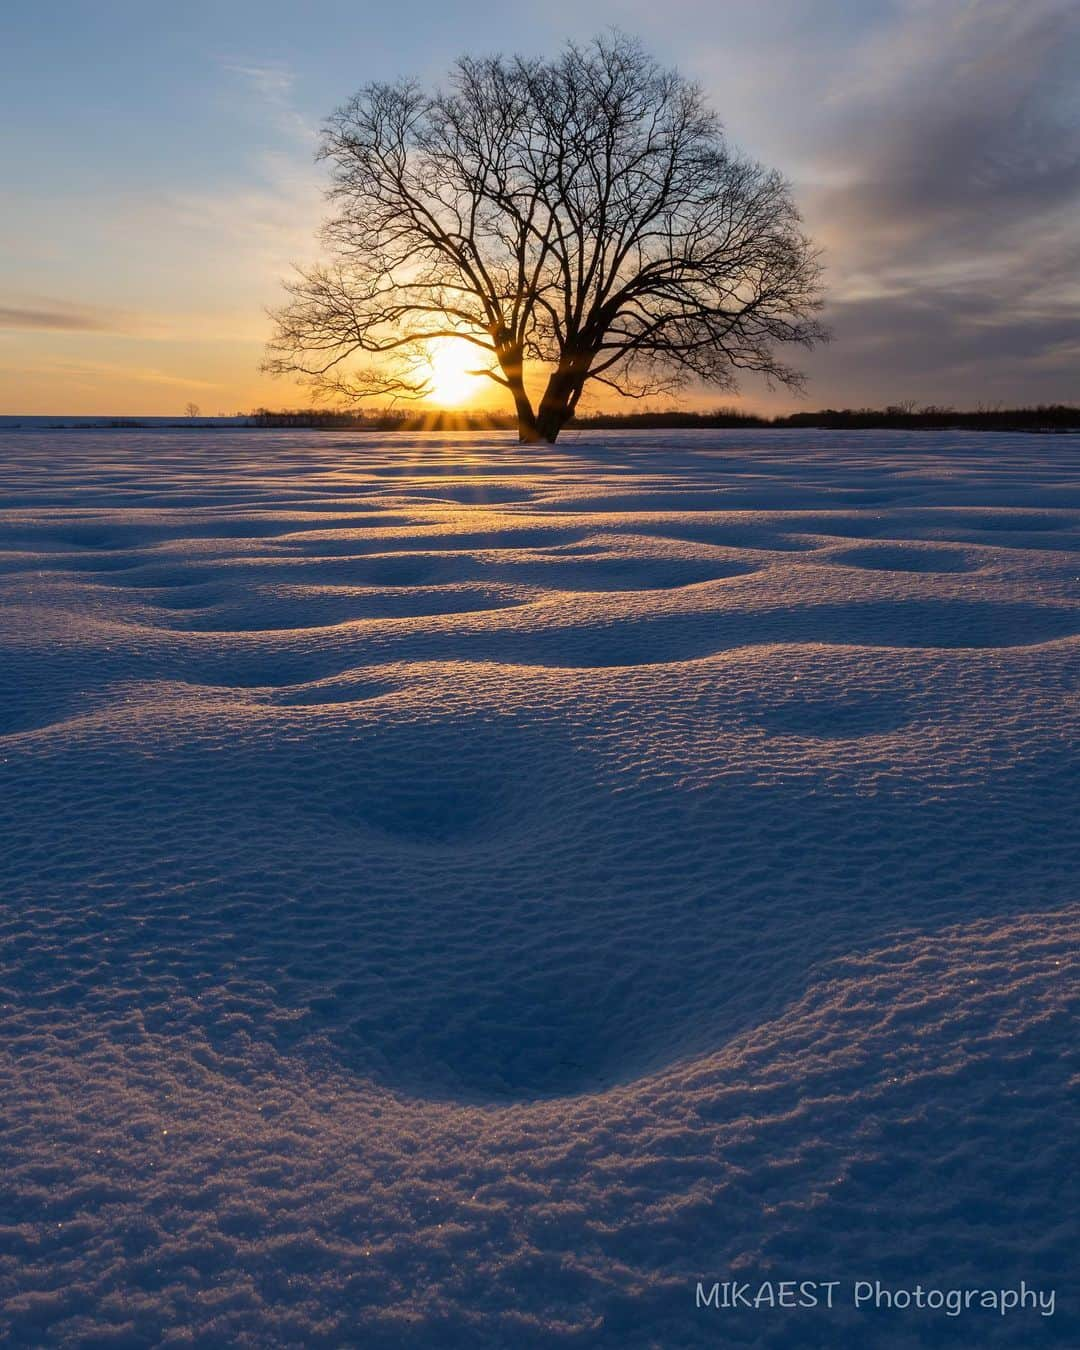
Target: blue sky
[158,179]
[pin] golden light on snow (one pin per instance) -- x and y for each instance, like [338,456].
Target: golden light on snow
[452,361]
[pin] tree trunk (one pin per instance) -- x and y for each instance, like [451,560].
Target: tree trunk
[549,422]
[529,428]
[529,431]
[544,426]
[557,405]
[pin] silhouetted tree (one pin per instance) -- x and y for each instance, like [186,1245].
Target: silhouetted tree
[585,213]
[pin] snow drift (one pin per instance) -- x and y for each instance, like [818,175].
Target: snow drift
[458,895]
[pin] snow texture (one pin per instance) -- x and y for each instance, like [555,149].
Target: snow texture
[461,895]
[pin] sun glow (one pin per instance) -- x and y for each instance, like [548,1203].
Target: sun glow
[452,361]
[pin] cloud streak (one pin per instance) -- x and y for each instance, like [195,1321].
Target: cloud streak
[97,371]
[51,320]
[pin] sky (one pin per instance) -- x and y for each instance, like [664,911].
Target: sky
[159,181]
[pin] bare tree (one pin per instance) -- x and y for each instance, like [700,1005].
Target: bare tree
[192,410]
[584,213]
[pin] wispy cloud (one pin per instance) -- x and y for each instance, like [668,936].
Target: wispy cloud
[272,82]
[268,88]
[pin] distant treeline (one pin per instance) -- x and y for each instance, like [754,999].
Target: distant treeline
[329,419]
[897,417]
[900,417]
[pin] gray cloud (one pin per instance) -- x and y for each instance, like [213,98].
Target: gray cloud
[976,135]
[945,347]
[949,204]
[50,320]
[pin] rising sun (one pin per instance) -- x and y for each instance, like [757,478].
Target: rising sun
[452,361]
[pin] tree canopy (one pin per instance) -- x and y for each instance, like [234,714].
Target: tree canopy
[584,215]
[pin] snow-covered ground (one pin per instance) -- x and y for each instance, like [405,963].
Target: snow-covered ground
[459,895]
